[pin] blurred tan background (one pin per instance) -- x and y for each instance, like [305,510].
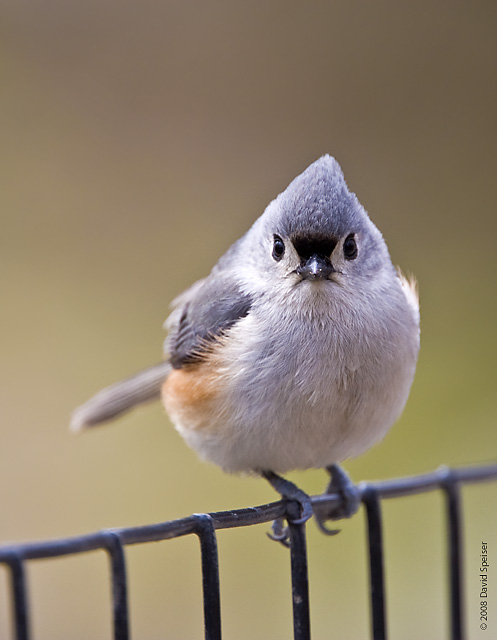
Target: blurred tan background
[139,140]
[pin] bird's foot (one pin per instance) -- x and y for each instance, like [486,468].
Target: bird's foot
[351,499]
[289,491]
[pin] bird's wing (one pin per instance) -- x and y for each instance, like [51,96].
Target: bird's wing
[203,314]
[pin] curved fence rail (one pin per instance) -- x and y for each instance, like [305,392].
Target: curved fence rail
[204,526]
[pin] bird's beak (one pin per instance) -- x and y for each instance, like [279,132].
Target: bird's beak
[315,268]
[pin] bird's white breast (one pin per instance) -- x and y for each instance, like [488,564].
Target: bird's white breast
[305,381]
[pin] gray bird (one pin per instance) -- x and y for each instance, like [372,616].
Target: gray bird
[297,351]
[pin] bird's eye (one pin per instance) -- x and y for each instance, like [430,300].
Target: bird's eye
[278,248]
[350,247]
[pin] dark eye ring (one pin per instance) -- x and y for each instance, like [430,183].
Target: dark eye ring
[278,248]
[350,247]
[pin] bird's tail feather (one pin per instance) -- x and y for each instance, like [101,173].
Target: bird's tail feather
[121,397]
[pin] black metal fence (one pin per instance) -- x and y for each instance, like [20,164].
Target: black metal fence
[204,526]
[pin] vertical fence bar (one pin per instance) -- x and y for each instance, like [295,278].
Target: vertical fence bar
[300,582]
[115,550]
[19,597]
[453,509]
[210,576]
[376,572]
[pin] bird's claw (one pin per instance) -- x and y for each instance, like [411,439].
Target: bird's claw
[291,492]
[280,533]
[320,521]
[339,483]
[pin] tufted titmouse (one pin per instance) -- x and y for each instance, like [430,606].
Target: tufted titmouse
[297,351]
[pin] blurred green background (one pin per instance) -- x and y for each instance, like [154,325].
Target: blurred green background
[139,140]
